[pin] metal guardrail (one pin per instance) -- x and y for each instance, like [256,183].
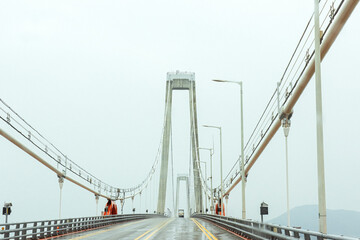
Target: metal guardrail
[50,228]
[261,231]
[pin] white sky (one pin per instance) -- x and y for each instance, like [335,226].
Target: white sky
[91,75]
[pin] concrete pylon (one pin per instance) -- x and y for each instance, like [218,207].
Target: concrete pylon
[179,81]
[182,177]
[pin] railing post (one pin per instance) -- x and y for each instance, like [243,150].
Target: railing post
[61,227]
[24,231]
[48,229]
[42,235]
[95,221]
[17,232]
[67,225]
[78,222]
[71,226]
[87,223]
[54,233]
[82,223]
[34,235]
[7,227]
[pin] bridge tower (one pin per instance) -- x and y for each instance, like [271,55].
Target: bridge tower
[180,81]
[182,177]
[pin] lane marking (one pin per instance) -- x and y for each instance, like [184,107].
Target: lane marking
[227,230]
[203,228]
[102,231]
[206,230]
[169,221]
[149,231]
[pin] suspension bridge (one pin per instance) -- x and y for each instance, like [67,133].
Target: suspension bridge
[158,217]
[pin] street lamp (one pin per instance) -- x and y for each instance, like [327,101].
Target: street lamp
[211,151]
[221,172]
[285,122]
[242,164]
[319,124]
[61,183]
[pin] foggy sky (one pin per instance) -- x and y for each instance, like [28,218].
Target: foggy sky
[91,75]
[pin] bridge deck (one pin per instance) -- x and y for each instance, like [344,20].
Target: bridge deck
[159,228]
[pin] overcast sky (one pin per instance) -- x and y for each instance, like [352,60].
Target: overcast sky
[91,75]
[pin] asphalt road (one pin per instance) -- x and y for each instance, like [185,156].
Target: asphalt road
[156,228]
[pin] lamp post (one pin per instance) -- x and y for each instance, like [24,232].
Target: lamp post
[242,164]
[221,172]
[61,183]
[286,126]
[211,151]
[97,203]
[319,124]
[285,122]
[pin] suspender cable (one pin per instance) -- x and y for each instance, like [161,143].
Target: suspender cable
[172,168]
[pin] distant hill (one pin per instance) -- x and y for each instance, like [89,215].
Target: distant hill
[339,222]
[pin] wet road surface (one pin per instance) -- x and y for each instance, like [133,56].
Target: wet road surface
[156,228]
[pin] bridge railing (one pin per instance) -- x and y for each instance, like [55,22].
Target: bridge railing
[50,228]
[261,231]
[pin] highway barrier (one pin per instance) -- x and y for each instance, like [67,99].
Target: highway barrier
[50,228]
[249,229]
